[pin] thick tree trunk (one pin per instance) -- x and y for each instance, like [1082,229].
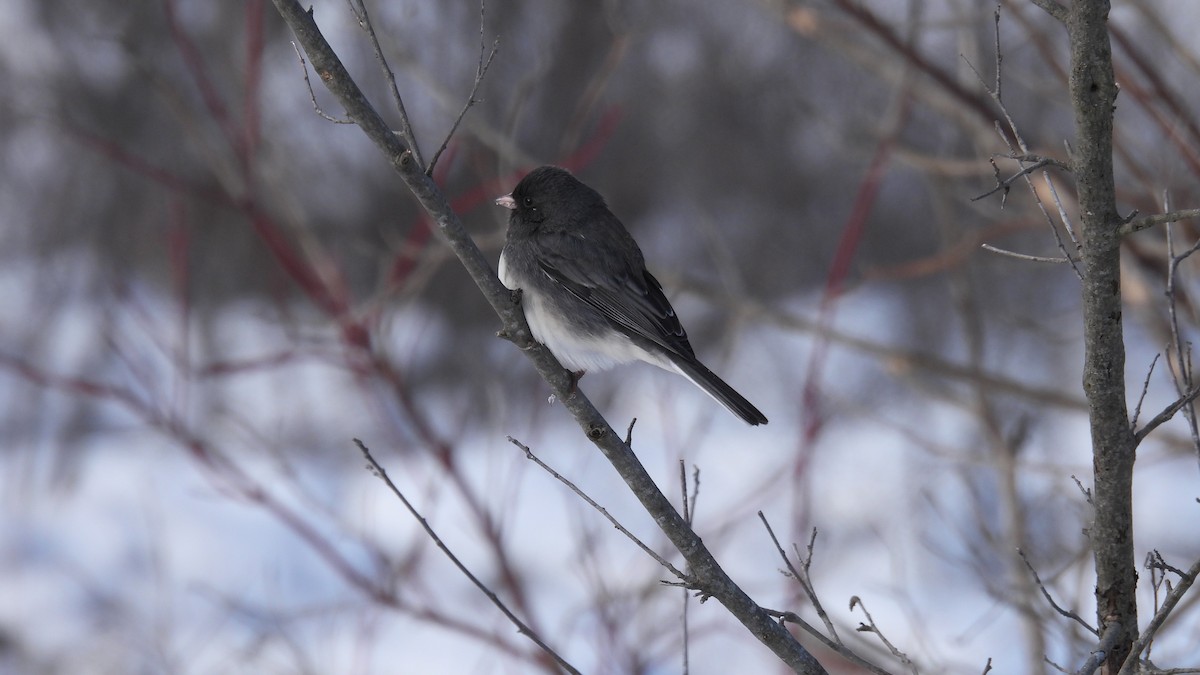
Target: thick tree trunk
[1093,94]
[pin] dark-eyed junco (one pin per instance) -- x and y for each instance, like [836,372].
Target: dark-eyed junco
[585,288]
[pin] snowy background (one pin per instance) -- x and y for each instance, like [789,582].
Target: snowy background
[207,291]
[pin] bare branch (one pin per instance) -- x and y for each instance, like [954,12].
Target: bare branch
[480,71]
[522,628]
[1006,183]
[603,511]
[312,95]
[793,618]
[1063,216]
[689,514]
[1067,613]
[359,8]
[1158,219]
[629,432]
[1186,579]
[1087,493]
[998,88]
[803,577]
[1021,154]
[1025,256]
[683,493]
[871,627]
[1166,414]
[832,641]
[1137,410]
[1182,373]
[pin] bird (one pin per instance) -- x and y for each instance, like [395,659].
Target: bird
[585,289]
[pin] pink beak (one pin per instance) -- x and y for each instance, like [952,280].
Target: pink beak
[507,201]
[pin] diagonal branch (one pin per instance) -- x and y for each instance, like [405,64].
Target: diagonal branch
[480,72]
[663,562]
[359,8]
[1185,582]
[522,627]
[331,71]
[1026,169]
[1049,598]
[1166,414]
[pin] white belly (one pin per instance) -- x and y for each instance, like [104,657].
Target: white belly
[577,353]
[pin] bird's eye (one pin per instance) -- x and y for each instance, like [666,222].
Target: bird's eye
[528,202]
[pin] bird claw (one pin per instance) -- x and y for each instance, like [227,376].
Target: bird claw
[575,377]
[572,388]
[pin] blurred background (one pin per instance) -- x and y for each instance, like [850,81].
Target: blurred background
[209,289]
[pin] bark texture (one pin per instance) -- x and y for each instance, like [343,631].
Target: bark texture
[1093,93]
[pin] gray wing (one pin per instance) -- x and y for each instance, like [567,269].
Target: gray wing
[613,279]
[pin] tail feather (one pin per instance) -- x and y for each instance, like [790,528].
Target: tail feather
[717,388]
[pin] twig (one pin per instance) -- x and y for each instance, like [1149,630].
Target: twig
[603,511]
[312,96]
[803,577]
[1067,613]
[359,8]
[1022,157]
[870,627]
[1186,579]
[683,617]
[1137,410]
[1055,666]
[480,71]
[1063,216]
[695,491]
[683,493]
[1154,563]
[1182,373]
[1087,493]
[522,628]
[999,94]
[1166,414]
[793,618]
[1186,254]
[1025,256]
[1006,183]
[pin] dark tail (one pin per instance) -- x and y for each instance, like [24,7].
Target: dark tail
[715,387]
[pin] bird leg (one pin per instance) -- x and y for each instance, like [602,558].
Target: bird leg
[575,377]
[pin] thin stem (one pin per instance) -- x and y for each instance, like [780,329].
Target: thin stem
[522,628]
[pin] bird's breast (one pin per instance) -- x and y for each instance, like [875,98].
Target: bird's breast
[503,272]
[516,268]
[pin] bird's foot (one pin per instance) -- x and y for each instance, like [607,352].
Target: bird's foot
[575,377]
